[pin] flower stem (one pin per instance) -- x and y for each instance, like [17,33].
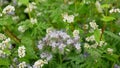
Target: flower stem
[11,35]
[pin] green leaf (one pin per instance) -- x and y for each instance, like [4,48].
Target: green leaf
[4,61]
[112,57]
[112,35]
[7,52]
[107,18]
[105,6]
[25,2]
[27,41]
[97,35]
[7,20]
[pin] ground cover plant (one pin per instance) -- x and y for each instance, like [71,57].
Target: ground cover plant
[59,34]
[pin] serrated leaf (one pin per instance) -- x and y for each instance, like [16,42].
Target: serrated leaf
[112,57]
[112,35]
[30,53]
[6,21]
[4,61]
[107,18]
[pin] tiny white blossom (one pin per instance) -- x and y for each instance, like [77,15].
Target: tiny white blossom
[30,7]
[76,33]
[119,33]
[2,53]
[91,38]
[22,65]
[68,18]
[114,10]
[21,51]
[86,45]
[8,10]
[2,36]
[93,25]
[110,50]
[101,43]
[39,63]
[0,14]
[49,30]
[21,29]
[98,6]
[33,21]
[85,26]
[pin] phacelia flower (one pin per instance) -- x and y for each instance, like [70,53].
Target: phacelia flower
[9,10]
[46,56]
[21,51]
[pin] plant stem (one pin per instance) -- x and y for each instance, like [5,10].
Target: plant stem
[60,58]
[11,35]
[102,32]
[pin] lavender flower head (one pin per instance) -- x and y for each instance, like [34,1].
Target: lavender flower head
[59,40]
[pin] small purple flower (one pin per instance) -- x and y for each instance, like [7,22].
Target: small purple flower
[46,56]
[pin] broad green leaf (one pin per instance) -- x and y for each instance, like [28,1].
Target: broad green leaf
[25,2]
[97,35]
[107,18]
[105,5]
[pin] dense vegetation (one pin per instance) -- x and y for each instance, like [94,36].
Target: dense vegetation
[59,34]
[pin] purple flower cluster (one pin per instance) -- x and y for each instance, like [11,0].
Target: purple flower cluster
[59,40]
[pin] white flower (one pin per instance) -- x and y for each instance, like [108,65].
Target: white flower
[68,18]
[113,10]
[91,38]
[39,63]
[98,6]
[21,51]
[101,43]
[93,25]
[77,46]
[30,7]
[2,53]
[21,29]
[22,65]
[110,50]
[15,18]
[33,21]
[9,9]
[86,45]
[119,33]
[49,30]
[85,26]
[2,36]
[76,33]
[0,14]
